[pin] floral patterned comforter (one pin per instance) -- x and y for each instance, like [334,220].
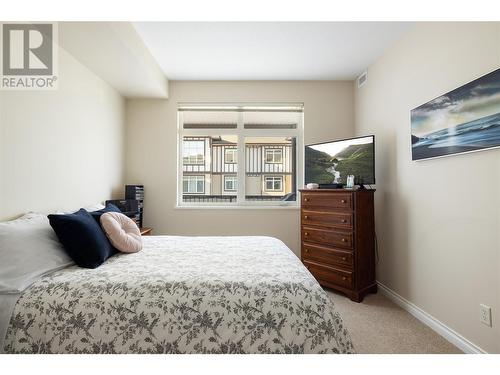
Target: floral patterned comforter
[181,295]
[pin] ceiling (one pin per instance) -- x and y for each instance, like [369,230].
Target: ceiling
[113,50]
[267,50]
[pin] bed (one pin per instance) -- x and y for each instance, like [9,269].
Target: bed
[181,295]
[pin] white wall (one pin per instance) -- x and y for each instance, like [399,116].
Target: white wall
[115,52]
[151,155]
[438,221]
[61,149]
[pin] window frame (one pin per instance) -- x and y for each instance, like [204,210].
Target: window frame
[194,175]
[204,154]
[234,151]
[235,182]
[242,134]
[273,150]
[274,178]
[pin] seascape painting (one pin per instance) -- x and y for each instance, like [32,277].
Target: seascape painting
[463,120]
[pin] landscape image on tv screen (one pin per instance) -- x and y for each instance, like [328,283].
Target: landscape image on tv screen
[332,162]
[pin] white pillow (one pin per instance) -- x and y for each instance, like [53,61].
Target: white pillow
[94,207]
[27,216]
[29,249]
[90,208]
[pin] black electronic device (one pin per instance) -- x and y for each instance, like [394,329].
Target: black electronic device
[331,186]
[128,207]
[136,192]
[329,163]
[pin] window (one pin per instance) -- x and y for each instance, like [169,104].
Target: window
[240,155]
[274,183]
[193,152]
[274,155]
[230,183]
[193,184]
[230,155]
[261,149]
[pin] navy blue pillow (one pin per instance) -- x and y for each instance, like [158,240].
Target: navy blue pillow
[109,208]
[82,238]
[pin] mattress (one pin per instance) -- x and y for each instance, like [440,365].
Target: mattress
[181,295]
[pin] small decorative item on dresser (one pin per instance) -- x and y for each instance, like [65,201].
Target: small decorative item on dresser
[146,231]
[338,239]
[312,185]
[350,181]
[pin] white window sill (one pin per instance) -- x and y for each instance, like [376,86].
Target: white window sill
[277,207]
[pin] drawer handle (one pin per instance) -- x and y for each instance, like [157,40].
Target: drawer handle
[344,221]
[344,240]
[306,199]
[306,217]
[344,278]
[306,250]
[343,201]
[343,258]
[306,234]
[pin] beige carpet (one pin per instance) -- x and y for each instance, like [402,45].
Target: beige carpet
[377,325]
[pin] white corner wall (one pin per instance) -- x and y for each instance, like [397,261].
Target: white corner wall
[116,53]
[437,221]
[61,149]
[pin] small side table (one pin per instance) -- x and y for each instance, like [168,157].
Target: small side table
[146,231]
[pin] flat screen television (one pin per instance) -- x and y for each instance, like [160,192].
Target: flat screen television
[332,162]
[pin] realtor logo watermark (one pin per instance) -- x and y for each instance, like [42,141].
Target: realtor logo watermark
[29,56]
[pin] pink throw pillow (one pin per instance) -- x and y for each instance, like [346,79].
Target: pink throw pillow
[122,232]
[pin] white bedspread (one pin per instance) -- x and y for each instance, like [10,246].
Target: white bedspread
[181,295]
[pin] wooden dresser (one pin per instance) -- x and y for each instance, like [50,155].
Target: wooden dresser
[338,239]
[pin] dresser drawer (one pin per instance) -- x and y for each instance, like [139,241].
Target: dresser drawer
[329,237]
[332,200]
[339,220]
[329,274]
[323,254]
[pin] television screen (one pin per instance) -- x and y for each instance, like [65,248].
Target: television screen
[332,162]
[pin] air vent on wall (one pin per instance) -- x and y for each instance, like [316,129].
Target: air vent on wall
[362,79]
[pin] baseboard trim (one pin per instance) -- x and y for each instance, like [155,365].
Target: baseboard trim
[456,339]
